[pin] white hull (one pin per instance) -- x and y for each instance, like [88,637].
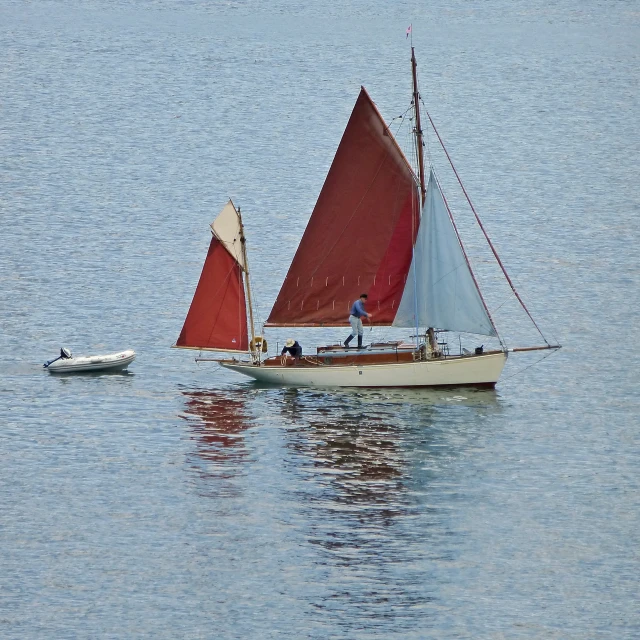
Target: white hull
[112,362]
[480,370]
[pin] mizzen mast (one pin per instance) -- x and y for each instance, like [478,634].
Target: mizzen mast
[243,244]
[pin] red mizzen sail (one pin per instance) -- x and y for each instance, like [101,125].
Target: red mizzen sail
[361,232]
[217,318]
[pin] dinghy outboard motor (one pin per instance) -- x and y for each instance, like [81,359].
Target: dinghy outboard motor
[65,354]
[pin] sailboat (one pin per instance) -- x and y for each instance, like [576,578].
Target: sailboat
[378,227]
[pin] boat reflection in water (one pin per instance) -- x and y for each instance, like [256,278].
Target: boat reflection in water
[218,421]
[365,443]
[379,490]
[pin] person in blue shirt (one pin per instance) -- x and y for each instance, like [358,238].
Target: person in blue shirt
[292,347]
[355,319]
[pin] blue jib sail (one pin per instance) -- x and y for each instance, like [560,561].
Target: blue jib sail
[444,294]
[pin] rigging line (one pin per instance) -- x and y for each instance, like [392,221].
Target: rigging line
[256,310]
[425,140]
[398,130]
[396,135]
[502,305]
[394,142]
[531,365]
[556,341]
[486,235]
[402,115]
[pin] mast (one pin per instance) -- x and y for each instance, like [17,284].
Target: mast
[418,129]
[423,190]
[243,242]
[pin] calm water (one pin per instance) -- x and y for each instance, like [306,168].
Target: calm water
[182,501]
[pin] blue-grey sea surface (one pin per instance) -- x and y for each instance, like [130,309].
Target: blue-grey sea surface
[183,501]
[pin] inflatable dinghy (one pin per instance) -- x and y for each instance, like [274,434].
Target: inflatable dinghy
[67,363]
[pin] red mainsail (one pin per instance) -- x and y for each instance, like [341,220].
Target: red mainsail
[361,232]
[217,318]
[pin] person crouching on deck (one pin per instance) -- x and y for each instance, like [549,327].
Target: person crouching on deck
[292,347]
[355,319]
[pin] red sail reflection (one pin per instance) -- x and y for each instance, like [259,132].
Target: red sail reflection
[218,421]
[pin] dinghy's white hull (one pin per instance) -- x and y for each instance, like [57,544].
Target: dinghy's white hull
[475,370]
[110,362]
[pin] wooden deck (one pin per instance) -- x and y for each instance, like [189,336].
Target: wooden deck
[382,353]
